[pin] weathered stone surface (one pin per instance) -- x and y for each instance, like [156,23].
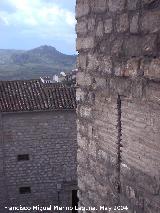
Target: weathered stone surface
[84,79]
[85,43]
[149,44]
[116,5]
[151,22]
[153,94]
[106,65]
[91,24]
[93,62]
[99,6]
[132,5]
[116,48]
[121,87]
[85,112]
[82,61]
[119,68]
[81,27]
[124,155]
[134,24]
[132,46]
[82,8]
[152,70]
[108,25]
[122,23]
[132,67]
[100,29]
[79,95]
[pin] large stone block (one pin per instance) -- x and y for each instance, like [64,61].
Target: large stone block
[100,29]
[93,62]
[82,61]
[152,70]
[81,27]
[151,22]
[122,23]
[132,46]
[80,95]
[132,5]
[134,24]
[105,65]
[82,8]
[153,94]
[85,43]
[132,67]
[116,48]
[84,79]
[149,44]
[108,25]
[91,24]
[116,5]
[99,6]
[85,111]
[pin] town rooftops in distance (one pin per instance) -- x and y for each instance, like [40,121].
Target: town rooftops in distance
[34,95]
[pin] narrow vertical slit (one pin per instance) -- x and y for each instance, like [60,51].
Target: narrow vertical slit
[119,139]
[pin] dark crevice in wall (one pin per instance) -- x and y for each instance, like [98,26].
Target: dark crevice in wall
[119,140]
[155,4]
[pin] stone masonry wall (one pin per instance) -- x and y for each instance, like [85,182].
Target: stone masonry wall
[50,140]
[118,104]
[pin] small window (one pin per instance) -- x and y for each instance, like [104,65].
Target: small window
[24,190]
[23,157]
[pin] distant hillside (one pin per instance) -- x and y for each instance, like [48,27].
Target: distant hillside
[41,61]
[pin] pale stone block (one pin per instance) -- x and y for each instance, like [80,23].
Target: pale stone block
[85,111]
[149,44]
[85,43]
[116,5]
[82,8]
[108,26]
[81,27]
[122,23]
[134,24]
[82,61]
[132,67]
[153,69]
[151,22]
[100,29]
[132,4]
[84,79]
[93,62]
[91,24]
[99,6]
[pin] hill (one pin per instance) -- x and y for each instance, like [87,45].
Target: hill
[41,61]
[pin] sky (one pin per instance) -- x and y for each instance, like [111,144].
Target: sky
[26,24]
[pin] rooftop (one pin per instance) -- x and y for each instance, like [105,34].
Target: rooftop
[34,95]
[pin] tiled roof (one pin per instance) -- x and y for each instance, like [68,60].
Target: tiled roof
[33,95]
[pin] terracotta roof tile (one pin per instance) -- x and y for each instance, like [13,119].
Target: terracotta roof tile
[31,95]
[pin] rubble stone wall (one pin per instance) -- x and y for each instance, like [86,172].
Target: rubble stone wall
[119,104]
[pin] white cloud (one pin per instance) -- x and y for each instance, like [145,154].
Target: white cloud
[37,16]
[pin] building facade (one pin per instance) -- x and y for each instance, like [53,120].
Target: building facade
[37,145]
[119,105]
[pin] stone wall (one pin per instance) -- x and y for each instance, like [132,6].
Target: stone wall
[49,138]
[119,104]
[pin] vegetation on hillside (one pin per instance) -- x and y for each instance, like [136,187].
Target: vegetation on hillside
[42,61]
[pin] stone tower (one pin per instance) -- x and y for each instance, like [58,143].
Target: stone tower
[119,104]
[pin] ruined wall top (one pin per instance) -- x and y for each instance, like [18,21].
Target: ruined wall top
[118,38]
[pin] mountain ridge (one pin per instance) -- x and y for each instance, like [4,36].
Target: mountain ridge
[28,64]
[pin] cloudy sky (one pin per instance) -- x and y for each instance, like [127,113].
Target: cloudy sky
[26,24]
